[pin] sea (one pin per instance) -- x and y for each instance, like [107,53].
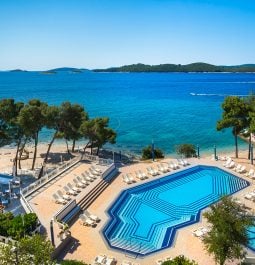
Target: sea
[165,108]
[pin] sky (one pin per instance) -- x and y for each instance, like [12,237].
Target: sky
[45,34]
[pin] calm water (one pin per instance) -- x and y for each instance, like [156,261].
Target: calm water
[141,106]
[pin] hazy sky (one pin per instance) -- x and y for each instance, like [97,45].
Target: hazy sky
[44,34]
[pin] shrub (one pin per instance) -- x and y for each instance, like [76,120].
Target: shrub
[147,154]
[18,226]
[188,150]
[180,260]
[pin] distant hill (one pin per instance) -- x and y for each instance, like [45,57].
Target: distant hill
[69,69]
[17,70]
[193,67]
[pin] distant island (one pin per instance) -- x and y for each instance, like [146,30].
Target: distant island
[193,67]
[160,68]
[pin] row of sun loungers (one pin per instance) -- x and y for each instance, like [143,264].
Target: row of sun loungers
[152,171]
[237,168]
[103,259]
[79,182]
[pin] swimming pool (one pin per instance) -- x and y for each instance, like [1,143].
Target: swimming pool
[144,219]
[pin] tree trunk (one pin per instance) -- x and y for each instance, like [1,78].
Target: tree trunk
[249,151]
[67,148]
[97,150]
[21,152]
[85,147]
[15,164]
[91,148]
[236,144]
[47,154]
[35,151]
[73,145]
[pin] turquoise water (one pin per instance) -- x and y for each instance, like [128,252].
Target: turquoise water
[141,106]
[145,218]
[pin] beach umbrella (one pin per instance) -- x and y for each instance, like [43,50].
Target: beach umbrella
[152,150]
[251,154]
[198,151]
[215,155]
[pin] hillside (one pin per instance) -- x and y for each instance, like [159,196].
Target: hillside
[193,67]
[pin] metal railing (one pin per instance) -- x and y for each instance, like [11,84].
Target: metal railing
[49,176]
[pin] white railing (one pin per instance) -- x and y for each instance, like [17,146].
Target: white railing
[64,211]
[49,176]
[109,170]
[25,204]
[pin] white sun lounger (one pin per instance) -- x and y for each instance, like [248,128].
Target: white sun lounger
[110,261]
[69,191]
[85,220]
[70,186]
[242,169]
[58,199]
[139,175]
[172,165]
[229,160]
[94,172]
[249,196]
[90,175]
[152,171]
[78,184]
[100,259]
[250,174]
[165,167]
[91,216]
[87,177]
[64,196]
[231,165]
[126,179]
[130,177]
[96,169]
[237,168]
[82,180]
[161,169]
[143,174]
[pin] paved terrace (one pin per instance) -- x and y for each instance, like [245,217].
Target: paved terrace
[88,242]
[43,203]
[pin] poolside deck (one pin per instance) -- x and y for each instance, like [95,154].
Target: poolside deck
[88,242]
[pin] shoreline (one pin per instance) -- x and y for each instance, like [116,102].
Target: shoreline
[59,154]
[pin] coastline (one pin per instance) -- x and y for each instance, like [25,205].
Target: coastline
[59,153]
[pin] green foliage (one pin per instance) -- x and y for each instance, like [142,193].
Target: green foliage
[72,262]
[97,132]
[235,116]
[187,150]
[17,227]
[229,223]
[29,250]
[147,153]
[193,67]
[180,260]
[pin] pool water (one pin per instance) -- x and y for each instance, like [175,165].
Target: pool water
[144,219]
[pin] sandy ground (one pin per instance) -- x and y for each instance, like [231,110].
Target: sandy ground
[58,152]
[88,242]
